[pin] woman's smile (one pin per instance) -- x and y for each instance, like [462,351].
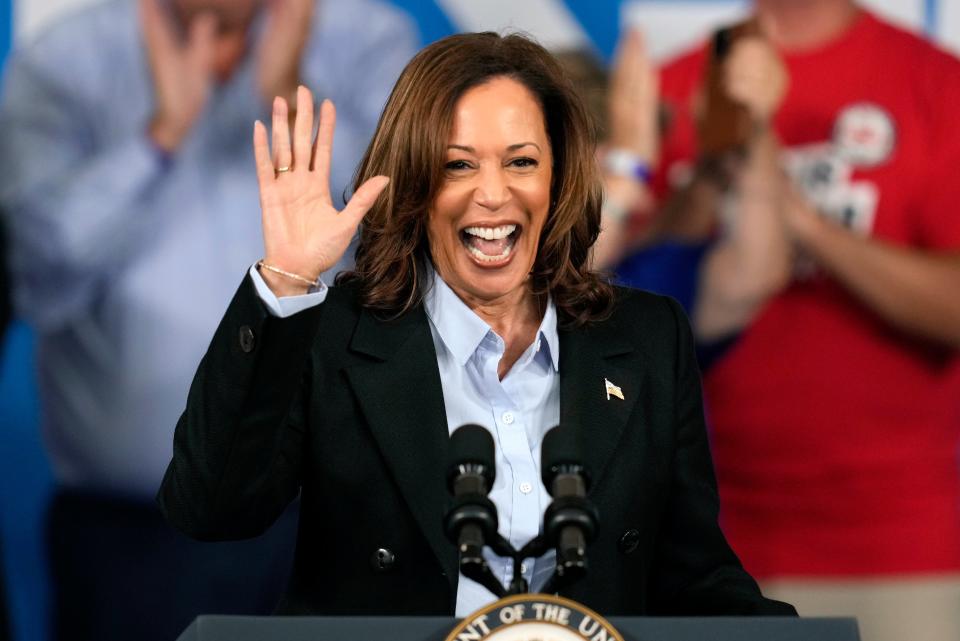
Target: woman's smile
[491,246]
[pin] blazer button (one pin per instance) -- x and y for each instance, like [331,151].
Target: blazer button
[383,560]
[629,542]
[247,340]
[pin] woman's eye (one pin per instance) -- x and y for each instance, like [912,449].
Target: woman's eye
[456,165]
[523,163]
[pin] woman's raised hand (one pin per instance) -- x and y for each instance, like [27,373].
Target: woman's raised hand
[303,233]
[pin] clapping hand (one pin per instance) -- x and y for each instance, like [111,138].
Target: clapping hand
[633,100]
[756,77]
[182,71]
[303,233]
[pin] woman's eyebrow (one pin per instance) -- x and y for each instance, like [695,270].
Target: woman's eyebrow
[512,147]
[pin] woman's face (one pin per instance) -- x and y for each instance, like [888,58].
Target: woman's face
[485,223]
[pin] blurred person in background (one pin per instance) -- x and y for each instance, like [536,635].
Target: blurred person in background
[628,116]
[650,238]
[832,237]
[132,205]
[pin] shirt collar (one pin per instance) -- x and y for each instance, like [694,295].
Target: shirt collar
[462,331]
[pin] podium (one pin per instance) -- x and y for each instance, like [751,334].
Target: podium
[237,628]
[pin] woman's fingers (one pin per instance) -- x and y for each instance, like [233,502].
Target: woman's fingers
[364,198]
[261,154]
[303,128]
[282,156]
[324,145]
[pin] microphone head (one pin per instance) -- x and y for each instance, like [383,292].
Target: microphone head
[471,445]
[561,452]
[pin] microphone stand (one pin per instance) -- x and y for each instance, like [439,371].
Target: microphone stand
[558,533]
[569,523]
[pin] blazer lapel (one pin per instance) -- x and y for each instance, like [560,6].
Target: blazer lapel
[589,357]
[402,400]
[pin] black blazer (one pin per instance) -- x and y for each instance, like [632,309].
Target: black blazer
[348,411]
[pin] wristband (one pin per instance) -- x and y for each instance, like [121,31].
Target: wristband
[623,162]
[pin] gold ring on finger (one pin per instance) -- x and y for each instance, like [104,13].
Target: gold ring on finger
[284,169]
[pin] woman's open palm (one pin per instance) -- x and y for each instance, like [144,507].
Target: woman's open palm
[303,233]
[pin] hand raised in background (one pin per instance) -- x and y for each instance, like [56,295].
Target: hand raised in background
[633,99]
[182,70]
[303,233]
[280,49]
[756,77]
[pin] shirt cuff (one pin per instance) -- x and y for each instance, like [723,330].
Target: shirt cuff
[286,305]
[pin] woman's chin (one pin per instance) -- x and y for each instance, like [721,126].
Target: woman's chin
[486,282]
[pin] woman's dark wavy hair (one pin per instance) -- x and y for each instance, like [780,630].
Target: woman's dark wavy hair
[410,145]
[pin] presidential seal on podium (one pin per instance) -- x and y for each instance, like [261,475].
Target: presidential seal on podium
[534,617]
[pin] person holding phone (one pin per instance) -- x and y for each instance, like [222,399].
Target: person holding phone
[836,265]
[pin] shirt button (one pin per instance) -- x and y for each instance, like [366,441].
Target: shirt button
[523,568]
[507,418]
[526,488]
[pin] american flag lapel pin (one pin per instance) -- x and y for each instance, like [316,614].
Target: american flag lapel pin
[612,390]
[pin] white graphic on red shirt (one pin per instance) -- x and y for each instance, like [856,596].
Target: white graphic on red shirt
[864,134]
[824,176]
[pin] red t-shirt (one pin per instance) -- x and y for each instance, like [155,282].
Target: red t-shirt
[835,436]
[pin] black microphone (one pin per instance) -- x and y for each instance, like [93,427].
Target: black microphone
[472,520]
[570,522]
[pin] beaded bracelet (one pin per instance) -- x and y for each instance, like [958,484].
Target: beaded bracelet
[277,270]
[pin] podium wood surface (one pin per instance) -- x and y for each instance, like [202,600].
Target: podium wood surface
[235,628]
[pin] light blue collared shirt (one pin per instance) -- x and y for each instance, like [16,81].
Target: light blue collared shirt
[517,410]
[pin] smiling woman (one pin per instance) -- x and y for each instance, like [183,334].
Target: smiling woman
[492,120]
[471,302]
[485,221]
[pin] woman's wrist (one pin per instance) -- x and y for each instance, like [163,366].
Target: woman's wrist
[282,282]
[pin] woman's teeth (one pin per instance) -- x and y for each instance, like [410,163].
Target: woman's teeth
[479,255]
[491,233]
[489,244]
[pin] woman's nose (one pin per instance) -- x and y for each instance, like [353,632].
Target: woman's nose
[491,191]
